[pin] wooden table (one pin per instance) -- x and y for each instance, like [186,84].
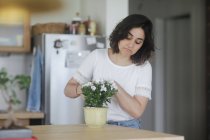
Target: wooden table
[24,117]
[108,132]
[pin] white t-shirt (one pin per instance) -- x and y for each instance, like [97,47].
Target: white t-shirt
[135,80]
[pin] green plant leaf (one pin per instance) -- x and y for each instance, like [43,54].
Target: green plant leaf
[9,84]
[98,94]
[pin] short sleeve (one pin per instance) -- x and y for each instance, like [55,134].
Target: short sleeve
[144,83]
[85,71]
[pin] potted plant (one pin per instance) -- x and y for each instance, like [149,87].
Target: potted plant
[97,94]
[8,87]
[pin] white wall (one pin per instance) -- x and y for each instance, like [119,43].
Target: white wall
[116,10]
[15,64]
[106,13]
[63,14]
[96,10]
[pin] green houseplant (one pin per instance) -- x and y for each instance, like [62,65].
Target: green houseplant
[97,94]
[8,87]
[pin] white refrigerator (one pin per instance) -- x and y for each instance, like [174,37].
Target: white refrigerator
[63,54]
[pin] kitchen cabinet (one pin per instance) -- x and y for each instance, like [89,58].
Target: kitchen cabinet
[14,30]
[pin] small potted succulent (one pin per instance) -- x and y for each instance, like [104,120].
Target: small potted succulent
[8,87]
[97,95]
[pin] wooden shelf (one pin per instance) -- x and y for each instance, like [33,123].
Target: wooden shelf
[25,117]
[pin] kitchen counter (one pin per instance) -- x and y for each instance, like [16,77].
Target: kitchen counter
[108,132]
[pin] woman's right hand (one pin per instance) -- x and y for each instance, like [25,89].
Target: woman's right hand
[73,89]
[79,90]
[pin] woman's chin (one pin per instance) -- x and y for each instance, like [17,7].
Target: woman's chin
[127,52]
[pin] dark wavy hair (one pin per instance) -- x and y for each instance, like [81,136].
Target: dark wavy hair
[121,32]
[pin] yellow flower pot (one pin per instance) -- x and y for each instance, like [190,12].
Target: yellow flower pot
[95,117]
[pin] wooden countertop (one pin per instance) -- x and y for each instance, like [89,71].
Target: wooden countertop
[108,132]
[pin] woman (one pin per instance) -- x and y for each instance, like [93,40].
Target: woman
[126,62]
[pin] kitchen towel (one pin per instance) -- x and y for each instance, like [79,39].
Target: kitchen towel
[34,95]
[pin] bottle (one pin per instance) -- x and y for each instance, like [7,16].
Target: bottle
[76,21]
[81,29]
[87,23]
[92,28]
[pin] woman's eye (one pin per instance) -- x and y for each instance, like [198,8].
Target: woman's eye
[139,42]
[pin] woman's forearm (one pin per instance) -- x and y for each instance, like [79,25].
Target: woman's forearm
[134,106]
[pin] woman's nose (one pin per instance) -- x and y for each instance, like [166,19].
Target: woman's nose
[131,43]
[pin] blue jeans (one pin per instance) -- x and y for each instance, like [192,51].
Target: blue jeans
[134,123]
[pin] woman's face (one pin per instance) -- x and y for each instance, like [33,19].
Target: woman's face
[132,43]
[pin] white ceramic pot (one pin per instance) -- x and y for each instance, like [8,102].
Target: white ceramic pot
[95,117]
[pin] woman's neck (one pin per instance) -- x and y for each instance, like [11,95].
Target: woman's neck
[119,59]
